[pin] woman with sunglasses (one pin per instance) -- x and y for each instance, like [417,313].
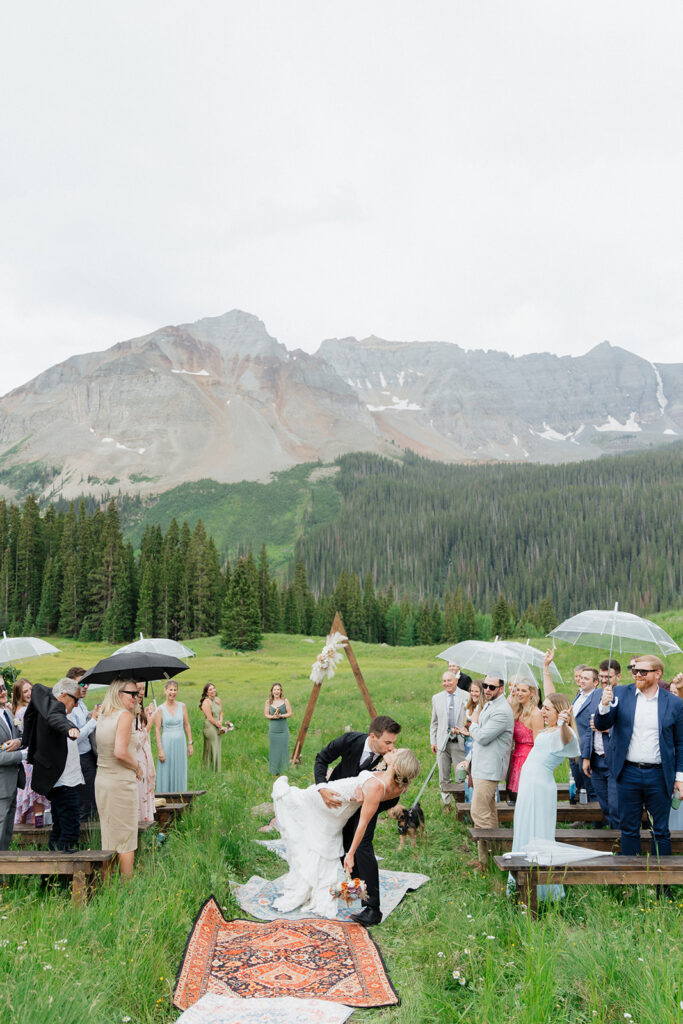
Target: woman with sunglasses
[118,773]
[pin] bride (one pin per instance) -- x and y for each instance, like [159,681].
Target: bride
[313,832]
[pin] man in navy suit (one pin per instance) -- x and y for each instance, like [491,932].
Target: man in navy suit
[646,752]
[595,748]
[583,707]
[359,751]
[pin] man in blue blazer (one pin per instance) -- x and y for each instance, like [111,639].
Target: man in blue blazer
[595,748]
[646,752]
[583,706]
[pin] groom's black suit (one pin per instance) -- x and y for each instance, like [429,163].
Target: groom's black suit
[349,747]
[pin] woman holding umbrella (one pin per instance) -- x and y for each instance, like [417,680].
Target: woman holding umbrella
[118,773]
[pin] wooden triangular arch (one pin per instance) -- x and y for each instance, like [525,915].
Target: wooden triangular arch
[337,627]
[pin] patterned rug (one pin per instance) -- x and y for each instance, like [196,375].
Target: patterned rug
[213,1009]
[256,897]
[309,959]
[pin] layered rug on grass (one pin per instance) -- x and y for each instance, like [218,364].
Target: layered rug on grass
[257,896]
[309,959]
[213,1009]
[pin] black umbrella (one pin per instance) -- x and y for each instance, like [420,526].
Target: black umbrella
[141,667]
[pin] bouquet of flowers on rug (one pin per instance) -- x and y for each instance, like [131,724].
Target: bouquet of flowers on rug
[349,889]
[328,659]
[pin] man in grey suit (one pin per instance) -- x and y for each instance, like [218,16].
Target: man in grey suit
[11,769]
[491,732]
[445,730]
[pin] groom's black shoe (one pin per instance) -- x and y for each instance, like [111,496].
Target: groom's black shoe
[368,916]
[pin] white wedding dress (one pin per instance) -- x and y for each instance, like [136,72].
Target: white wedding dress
[313,839]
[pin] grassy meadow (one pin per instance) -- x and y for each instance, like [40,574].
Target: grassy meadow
[456,950]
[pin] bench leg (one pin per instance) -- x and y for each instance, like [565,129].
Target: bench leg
[79,886]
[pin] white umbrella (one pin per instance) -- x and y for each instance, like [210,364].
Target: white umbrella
[533,656]
[616,631]
[157,645]
[490,658]
[20,648]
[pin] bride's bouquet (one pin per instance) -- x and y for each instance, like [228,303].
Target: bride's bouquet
[349,889]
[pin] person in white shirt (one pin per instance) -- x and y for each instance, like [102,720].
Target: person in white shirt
[86,723]
[646,752]
[64,796]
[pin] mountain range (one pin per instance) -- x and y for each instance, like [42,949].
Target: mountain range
[222,399]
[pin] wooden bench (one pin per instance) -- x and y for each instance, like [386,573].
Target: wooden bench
[185,797]
[24,834]
[457,790]
[83,866]
[166,814]
[565,812]
[594,838]
[597,871]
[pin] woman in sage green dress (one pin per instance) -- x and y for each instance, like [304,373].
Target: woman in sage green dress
[277,711]
[212,709]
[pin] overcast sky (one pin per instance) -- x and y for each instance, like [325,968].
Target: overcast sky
[497,174]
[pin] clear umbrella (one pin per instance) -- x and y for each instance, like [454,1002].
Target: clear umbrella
[157,645]
[20,648]
[533,656]
[491,658]
[616,631]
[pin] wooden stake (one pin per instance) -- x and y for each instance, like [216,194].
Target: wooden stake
[337,627]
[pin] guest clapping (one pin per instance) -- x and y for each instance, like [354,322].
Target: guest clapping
[118,773]
[528,724]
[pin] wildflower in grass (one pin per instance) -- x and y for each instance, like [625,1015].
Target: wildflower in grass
[628,1016]
[440,954]
[466,951]
[490,936]
[126,1019]
[456,974]
[462,981]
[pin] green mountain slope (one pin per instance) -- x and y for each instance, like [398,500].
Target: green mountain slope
[245,514]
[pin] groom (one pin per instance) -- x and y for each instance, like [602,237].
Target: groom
[359,751]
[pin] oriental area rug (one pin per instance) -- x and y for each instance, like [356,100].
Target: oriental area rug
[309,959]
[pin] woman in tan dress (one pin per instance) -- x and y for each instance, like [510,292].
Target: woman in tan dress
[118,773]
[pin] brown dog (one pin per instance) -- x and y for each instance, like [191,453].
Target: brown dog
[411,823]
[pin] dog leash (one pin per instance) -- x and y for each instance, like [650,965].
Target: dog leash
[424,786]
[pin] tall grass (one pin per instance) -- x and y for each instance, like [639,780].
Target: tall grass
[456,950]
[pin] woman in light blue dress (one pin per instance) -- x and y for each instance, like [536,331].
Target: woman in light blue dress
[171,726]
[536,807]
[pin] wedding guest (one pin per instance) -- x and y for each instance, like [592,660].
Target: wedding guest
[31,806]
[595,748]
[213,728]
[528,724]
[476,700]
[676,813]
[446,731]
[584,705]
[142,742]
[491,731]
[87,723]
[277,710]
[646,752]
[11,769]
[170,721]
[536,807]
[118,772]
[461,678]
[50,737]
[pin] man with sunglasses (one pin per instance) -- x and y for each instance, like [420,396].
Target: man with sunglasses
[646,752]
[491,731]
[11,770]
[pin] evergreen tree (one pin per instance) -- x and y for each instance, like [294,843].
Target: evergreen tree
[547,618]
[470,622]
[423,624]
[437,624]
[241,616]
[48,612]
[501,618]
[292,622]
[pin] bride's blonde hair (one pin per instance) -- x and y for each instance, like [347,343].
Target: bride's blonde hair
[406,766]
